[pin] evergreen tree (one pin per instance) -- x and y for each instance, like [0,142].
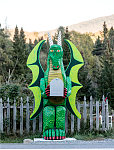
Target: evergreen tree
[22,46]
[22,39]
[107,73]
[98,47]
[111,39]
[16,44]
[6,57]
[84,44]
[85,80]
[20,54]
[66,56]
[96,73]
[107,80]
[105,35]
[30,44]
[35,42]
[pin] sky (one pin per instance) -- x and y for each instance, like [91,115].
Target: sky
[43,15]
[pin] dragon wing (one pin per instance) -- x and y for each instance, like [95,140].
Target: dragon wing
[75,64]
[34,64]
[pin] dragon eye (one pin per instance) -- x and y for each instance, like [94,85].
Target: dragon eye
[51,50]
[58,50]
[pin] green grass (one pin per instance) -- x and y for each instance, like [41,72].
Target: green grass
[95,135]
[83,135]
[16,138]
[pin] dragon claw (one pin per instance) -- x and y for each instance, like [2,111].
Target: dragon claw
[52,134]
[47,90]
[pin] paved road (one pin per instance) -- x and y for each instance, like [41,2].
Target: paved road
[78,144]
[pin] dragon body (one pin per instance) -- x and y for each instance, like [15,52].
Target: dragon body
[54,107]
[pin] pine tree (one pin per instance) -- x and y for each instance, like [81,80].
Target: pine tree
[6,56]
[98,47]
[20,54]
[22,46]
[84,79]
[105,35]
[30,44]
[16,44]
[84,44]
[107,74]
[22,39]
[111,39]
[66,56]
[35,42]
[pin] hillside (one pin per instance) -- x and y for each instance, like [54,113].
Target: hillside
[93,27]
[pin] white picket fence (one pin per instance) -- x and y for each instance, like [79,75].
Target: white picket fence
[11,114]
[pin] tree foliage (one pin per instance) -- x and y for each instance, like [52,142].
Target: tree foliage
[105,81]
[96,76]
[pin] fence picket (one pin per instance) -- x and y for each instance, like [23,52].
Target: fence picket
[107,116]
[14,116]
[6,108]
[78,120]
[1,116]
[34,121]
[27,116]
[84,110]
[103,114]
[72,123]
[8,116]
[97,115]
[91,113]
[21,117]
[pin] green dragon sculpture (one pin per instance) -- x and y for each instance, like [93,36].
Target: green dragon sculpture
[54,107]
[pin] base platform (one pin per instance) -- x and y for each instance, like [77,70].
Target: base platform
[41,140]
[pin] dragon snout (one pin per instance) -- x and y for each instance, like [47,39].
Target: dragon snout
[56,67]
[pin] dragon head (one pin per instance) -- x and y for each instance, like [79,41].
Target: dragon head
[55,52]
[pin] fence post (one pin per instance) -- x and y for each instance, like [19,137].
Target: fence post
[103,114]
[21,117]
[1,116]
[78,120]
[34,121]
[40,122]
[84,110]
[72,123]
[97,115]
[107,116]
[27,115]
[14,116]
[8,116]
[66,121]
[91,113]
